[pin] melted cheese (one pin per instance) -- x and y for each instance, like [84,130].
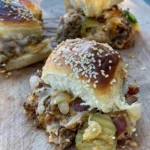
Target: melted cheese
[92,8]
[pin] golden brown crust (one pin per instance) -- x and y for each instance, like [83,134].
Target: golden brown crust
[93,62]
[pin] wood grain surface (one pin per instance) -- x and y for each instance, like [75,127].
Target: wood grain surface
[18,133]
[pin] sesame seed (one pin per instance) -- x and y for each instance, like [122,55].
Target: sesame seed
[68,140]
[106,76]
[126,65]
[55,60]
[113,81]
[116,52]
[96,81]
[103,73]
[3,71]
[110,61]
[9,74]
[85,63]
[94,48]
[109,67]
[100,50]
[18,10]
[94,85]
[88,81]
[94,129]
[134,130]
[59,64]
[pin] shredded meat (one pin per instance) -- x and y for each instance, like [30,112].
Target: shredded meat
[62,137]
[133,90]
[42,106]
[131,99]
[76,104]
[124,130]
[121,124]
[70,26]
[133,87]
[62,128]
[30,109]
[11,49]
[66,138]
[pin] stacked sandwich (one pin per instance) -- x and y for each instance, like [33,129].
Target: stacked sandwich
[98,20]
[21,35]
[82,96]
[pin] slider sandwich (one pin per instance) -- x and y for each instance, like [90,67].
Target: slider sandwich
[22,42]
[99,20]
[82,97]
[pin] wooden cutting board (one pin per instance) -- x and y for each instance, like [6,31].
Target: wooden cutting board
[18,133]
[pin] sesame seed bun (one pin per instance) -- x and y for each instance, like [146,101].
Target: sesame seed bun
[18,21]
[90,70]
[21,35]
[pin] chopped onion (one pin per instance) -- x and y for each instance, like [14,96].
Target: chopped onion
[121,124]
[34,80]
[75,120]
[61,97]
[63,107]
[93,131]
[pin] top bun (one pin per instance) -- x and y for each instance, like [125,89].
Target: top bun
[18,21]
[90,70]
[91,8]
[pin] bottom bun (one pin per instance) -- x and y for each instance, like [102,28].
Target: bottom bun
[29,58]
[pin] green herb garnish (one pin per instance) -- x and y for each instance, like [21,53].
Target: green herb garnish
[130,16]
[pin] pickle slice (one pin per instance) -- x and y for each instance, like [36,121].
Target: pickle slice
[88,23]
[130,16]
[105,140]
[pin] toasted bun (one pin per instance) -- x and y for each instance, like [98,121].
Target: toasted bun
[33,55]
[91,8]
[17,21]
[90,70]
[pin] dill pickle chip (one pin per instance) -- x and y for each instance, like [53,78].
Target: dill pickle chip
[105,140]
[130,16]
[88,23]
[105,121]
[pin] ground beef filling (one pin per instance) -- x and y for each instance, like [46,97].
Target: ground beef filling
[62,115]
[61,126]
[111,27]
[12,49]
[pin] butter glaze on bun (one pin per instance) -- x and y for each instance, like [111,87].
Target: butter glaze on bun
[90,70]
